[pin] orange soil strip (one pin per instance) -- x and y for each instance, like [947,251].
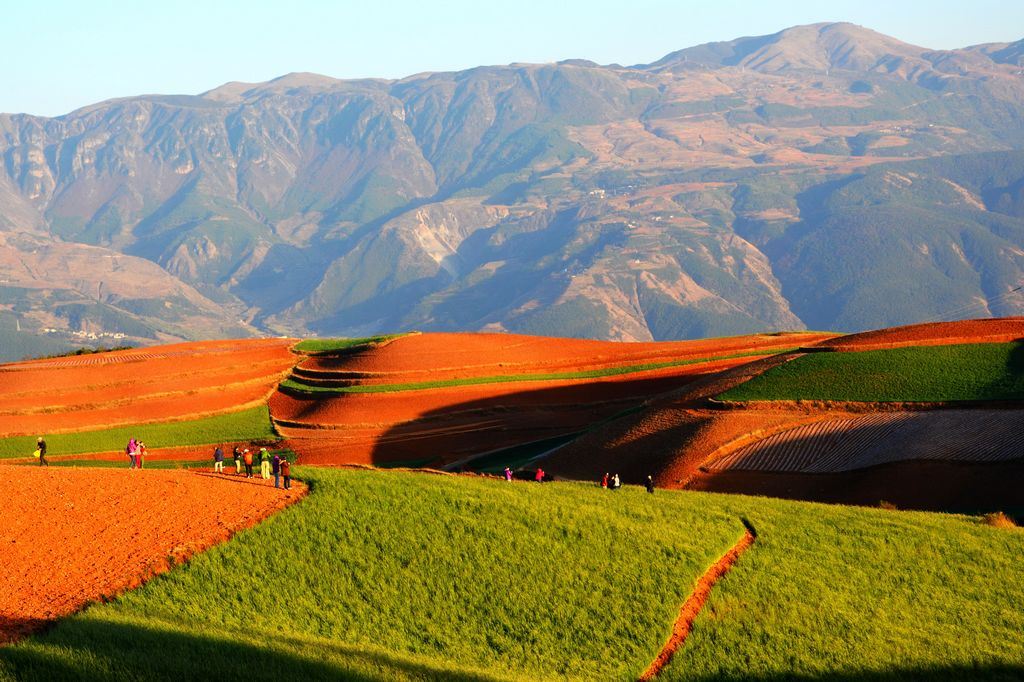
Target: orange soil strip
[444,356]
[164,383]
[72,536]
[695,602]
[998,330]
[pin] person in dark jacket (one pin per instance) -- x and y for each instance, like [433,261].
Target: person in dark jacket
[650,485]
[275,467]
[286,472]
[218,461]
[41,446]
[237,453]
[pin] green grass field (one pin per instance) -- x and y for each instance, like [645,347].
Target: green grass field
[296,383]
[970,372]
[328,346]
[251,424]
[387,575]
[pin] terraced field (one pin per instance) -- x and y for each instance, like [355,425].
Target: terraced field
[183,381]
[441,398]
[838,445]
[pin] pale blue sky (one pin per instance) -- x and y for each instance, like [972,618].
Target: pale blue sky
[62,54]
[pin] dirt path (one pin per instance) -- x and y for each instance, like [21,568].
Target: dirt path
[695,602]
[72,536]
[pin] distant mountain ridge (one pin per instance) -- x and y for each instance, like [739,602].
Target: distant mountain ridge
[825,176]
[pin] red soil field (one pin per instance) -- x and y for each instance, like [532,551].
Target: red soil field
[434,357]
[181,381]
[71,536]
[673,435]
[448,424]
[999,330]
[838,445]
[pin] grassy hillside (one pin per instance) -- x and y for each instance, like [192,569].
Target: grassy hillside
[990,371]
[519,579]
[402,576]
[251,424]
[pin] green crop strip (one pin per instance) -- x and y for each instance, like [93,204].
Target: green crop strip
[327,346]
[966,372]
[296,384]
[251,424]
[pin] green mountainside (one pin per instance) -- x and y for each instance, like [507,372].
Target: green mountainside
[826,176]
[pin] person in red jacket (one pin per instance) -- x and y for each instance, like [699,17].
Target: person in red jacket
[540,475]
[247,459]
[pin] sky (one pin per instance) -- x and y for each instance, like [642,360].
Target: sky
[59,55]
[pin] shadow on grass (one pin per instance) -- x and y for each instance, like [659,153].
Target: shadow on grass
[93,649]
[950,673]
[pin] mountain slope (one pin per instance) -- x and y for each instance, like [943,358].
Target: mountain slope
[708,193]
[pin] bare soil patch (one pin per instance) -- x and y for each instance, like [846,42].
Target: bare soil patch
[126,387]
[72,536]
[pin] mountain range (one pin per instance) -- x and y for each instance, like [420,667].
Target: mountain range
[825,177]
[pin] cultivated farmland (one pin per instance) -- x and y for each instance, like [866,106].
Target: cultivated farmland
[379,575]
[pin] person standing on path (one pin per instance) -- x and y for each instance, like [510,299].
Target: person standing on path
[616,483]
[264,464]
[132,448]
[218,461]
[604,480]
[41,446]
[247,459]
[275,466]
[140,455]
[508,474]
[286,472]
[238,460]
[650,485]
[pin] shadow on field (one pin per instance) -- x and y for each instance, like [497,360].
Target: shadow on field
[91,649]
[466,428]
[952,673]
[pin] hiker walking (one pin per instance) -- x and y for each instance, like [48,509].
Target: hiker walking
[238,460]
[539,477]
[508,474]
[275,466]
[247,460]
[140,454]
[649,485]
[286,472]
[616,483]
[264,464]
[218,461]
[41,450]
[604,480]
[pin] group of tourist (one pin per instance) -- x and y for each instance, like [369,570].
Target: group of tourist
[136,451]
[608,481]
[270,465]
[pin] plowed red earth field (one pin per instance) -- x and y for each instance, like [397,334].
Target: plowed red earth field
[447,424]
[71,536]
[999,330]
[442,425]
[128,387]
[435,357]
[839,445]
